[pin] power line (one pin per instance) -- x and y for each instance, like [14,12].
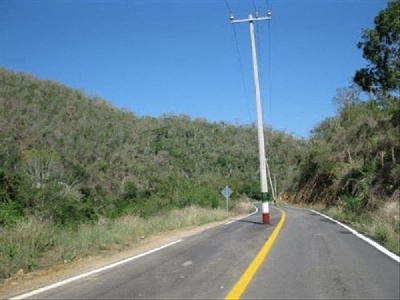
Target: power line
[255,8]
[270,69]
[242,72]
[261,69]
[257,33]
[240,62]
[259,52]
[228,7]
[259,58]
[257,38]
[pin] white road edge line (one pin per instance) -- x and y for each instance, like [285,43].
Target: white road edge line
[75,278]
[363,237]
[234,220]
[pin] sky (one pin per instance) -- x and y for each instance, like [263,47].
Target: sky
[184,57]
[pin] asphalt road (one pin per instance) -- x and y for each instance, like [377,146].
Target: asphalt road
[312,257]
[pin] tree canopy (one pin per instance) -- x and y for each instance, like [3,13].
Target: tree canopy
[381,47]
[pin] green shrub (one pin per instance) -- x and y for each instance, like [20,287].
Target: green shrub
[23,244]
[351,205]
[204,197]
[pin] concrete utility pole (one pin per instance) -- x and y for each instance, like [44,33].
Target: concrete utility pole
[261,147]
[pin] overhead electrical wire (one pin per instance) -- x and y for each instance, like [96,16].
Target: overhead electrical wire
[265,80]
[228,7]
[269,67]
[257,38]
[257,34]
[259,52]
[255,7]
[240,61]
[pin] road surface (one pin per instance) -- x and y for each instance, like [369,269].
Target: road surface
[311,257]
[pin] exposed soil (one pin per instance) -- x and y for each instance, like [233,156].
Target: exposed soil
[21,283]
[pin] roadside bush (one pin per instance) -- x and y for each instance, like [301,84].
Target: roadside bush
[11,206]
[204,197]
[23,244]
[351,205]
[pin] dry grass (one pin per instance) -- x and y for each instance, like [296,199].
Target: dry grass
[23,244]
[390,212]
[383,225]
[34,245]
[243,207]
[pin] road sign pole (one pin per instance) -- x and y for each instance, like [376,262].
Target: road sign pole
[261,145]
[226,192]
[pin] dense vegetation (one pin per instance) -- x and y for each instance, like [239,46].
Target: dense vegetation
[68,157]
[353,158]
[352,164]
[88,177]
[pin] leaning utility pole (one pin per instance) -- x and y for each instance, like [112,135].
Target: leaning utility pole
[261,147]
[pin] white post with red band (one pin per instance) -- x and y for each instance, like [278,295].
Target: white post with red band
[265,212]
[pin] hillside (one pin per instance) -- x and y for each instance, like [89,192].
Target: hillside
[353,158]
[352,164]
[66,156]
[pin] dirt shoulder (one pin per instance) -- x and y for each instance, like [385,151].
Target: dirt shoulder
[22,283]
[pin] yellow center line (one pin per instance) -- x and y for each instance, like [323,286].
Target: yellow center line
[251,270]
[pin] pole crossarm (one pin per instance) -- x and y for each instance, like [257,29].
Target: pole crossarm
[251,18]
